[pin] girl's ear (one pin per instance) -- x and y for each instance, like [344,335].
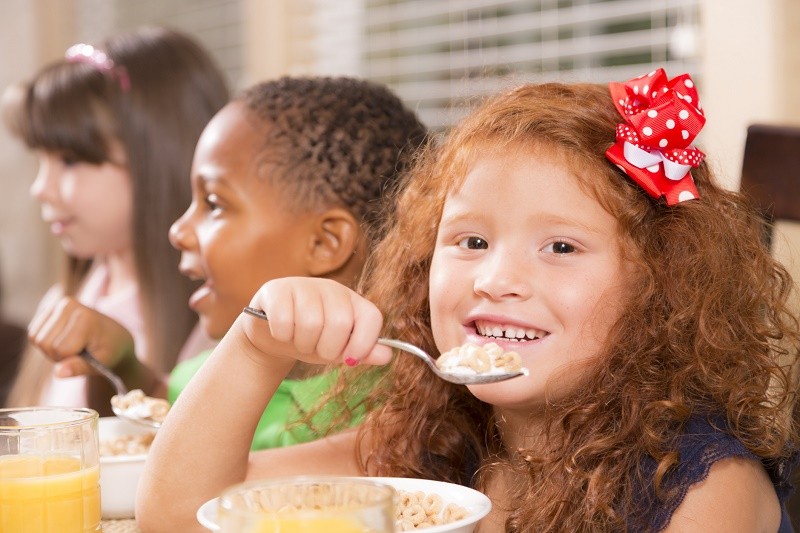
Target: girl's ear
[335,241]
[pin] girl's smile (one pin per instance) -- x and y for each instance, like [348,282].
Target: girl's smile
[499,330]
[58,226]
[507,332]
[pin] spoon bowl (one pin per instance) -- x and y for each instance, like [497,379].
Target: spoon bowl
[121,389]
[121,413]
[452,377]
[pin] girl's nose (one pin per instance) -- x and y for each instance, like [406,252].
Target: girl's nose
[181,235]
[503,276]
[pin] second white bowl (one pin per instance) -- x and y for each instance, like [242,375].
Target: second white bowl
[119,474]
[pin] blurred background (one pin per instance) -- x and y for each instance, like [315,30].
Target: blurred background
[438,55]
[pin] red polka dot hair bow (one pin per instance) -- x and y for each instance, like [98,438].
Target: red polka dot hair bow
[662,118]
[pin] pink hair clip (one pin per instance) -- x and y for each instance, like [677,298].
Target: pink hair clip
[86,53]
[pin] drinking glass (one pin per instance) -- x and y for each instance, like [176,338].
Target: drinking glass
[49,470]
[306,504]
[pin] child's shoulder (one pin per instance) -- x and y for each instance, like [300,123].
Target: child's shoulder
[736,494]
[718,482]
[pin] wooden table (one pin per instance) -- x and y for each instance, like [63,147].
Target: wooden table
[120,526]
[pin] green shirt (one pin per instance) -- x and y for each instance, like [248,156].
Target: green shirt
[283,421]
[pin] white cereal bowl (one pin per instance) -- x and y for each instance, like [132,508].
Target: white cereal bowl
[476,503]
[119,474]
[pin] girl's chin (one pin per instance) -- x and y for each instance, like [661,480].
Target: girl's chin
[75,251]
[517,393]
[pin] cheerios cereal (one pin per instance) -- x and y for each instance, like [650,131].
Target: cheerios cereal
[487,359]
[413,510]
[126,445]
[138,405]
[417,510]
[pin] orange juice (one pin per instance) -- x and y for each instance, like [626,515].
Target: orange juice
[309,525]
[306,505]
[50,494]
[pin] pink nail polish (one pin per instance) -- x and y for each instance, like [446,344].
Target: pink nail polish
[350,361]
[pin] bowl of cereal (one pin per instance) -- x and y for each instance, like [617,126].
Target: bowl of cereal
[123,449]
[436,506]
[432,506]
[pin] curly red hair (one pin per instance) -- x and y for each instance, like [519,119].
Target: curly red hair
[706,328]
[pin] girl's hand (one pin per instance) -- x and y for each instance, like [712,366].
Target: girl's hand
[62,328]
[316,321]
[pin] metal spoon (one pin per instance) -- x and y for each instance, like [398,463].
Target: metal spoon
[121,389]
[460,379]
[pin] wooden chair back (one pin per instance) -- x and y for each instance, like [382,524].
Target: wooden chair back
[771,172]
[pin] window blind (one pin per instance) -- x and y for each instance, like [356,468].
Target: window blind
[441,55]
[216,24]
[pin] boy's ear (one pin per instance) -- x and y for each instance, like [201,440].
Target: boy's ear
[334,242]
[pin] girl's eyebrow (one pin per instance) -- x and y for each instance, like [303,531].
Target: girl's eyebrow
[549,219]
[457,217]
[557,220]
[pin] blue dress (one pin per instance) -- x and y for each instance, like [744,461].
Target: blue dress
[702,444]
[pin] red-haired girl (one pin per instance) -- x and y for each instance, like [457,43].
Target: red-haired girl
[579,227]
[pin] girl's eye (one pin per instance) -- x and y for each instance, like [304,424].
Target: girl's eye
[473,243]
[560,247]
[68,160]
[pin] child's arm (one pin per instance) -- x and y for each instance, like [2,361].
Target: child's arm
[737,496]
[62,327]
[204,443]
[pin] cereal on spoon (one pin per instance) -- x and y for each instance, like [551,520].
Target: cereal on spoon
[472,359]
[136,404]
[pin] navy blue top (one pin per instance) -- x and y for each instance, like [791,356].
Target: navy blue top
[702,444]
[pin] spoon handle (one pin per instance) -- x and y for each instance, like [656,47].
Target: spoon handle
[105,371]
[409,348]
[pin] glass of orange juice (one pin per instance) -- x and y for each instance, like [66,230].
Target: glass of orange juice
[308,504]
[49,470]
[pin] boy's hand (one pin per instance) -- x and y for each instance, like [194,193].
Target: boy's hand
[316,321]
[63,327]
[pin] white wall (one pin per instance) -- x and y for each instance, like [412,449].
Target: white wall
[751,73]
[750,54]
[33,31]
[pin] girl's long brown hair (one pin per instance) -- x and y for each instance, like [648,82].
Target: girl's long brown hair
[78,110]
[706,329]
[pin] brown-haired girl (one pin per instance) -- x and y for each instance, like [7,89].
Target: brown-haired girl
[114,127]
[578,227]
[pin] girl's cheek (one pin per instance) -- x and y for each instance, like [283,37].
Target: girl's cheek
[68,188]
[439,311]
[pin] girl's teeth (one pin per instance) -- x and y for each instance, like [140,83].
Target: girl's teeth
[509,333]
